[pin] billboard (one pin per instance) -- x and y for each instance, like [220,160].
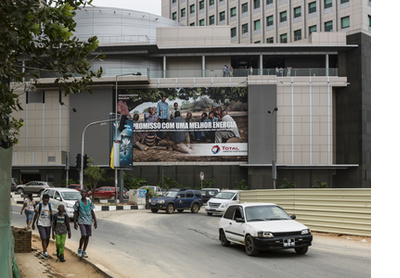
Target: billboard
[185,124]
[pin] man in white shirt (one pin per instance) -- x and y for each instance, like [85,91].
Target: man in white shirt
[43,215]
[232,131]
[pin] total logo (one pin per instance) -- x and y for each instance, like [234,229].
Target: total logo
[215,149]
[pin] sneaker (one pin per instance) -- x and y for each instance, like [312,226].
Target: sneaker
[45,254]
[79,252]
[62,258]
[84,254]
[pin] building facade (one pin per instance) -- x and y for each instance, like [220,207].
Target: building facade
[314,135]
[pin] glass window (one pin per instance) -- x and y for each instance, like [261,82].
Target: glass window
[221,16]
[283,38]
[233,12]
[192,9]
[345,22]
[211,2]
[369,21]
[327,4]
[312,29]
[312,7]
[257,25]
[201,5]
[174,16]
[173,1]
[270,20]
[344,1]
[183,12]
[297,12]
[189,194]
[256,4]
[297,35]
[245,7]
[328,26]
[233,32]
[245,28]
[212,20]
[270,40]
[283,16]
[270,2]
[201,22]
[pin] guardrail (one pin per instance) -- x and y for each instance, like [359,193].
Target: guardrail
[341,211]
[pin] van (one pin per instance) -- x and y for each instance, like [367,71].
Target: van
[62,196]
[221,201]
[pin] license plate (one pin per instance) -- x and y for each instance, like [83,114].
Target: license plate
[153,204]
[288,242]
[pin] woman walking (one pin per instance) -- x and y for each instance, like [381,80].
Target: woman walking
[29,206]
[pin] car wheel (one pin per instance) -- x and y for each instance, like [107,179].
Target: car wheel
[153,210]
[209,213]
[180,210]
[250,247]
[222,238]
[301,250]
[20,191]
[170,209]
[195,208]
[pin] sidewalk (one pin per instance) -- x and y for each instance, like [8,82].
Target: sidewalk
[34,265]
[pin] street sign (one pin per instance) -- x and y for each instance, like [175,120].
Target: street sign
[201,175]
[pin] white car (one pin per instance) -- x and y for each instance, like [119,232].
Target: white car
[262,226]
[221,201]
[153,188]
[63,196]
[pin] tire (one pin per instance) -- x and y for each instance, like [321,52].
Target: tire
[301,250]
[249,246]
[209,213]
[195,208]
[153,210]
[20,191]
[180,210]
[222,238]
[170,209]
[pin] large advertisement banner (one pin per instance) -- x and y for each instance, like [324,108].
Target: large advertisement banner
[187,124]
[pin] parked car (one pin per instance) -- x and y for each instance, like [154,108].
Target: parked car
[33,187]
[153,188]
[14,183]
[106,192]
[263,226]
[221,201]
[62,196]
[208,193]
[179,199]
[77,187]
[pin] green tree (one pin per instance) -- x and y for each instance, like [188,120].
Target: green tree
[94,174]
[37,40]
[287,184]
[320,184]
[241,185]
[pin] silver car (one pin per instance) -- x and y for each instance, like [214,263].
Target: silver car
[36,187]
[63,196]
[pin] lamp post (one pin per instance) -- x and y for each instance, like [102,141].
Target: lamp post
[83,146]
[273,111]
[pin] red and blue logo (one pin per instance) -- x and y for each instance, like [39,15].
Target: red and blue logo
[215,149]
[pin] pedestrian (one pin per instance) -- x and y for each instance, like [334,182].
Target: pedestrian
[84,216]
[43,216]
[60,229]
[29,207]
[224,69]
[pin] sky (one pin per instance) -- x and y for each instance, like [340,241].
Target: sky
[149,6]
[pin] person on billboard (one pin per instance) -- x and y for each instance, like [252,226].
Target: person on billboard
[231,130]
[150,116]
[201,135]
[176,108]
[162,114]
[210,135]
[177,138]
[189,135]
[138,136]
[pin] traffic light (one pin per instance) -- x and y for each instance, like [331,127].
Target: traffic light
[78,160]
[85,161]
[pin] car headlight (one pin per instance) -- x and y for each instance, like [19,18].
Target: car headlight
[70,206]
[265,234]
[224,205]
[305,231]
[161,202]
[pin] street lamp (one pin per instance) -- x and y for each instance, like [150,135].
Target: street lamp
[102,122]
[273,111]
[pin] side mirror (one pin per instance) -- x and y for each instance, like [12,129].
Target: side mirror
[239,220]
[293,217]
[58,198]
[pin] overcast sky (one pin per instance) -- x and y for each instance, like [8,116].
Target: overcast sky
[149,6]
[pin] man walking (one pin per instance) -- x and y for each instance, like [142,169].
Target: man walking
[43,215]
[84,216]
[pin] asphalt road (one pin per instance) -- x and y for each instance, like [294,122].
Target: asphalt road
[137,243]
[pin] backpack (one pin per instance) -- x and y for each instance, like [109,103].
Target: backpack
[40,209]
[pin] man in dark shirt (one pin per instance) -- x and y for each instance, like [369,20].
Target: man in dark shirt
[178,136]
